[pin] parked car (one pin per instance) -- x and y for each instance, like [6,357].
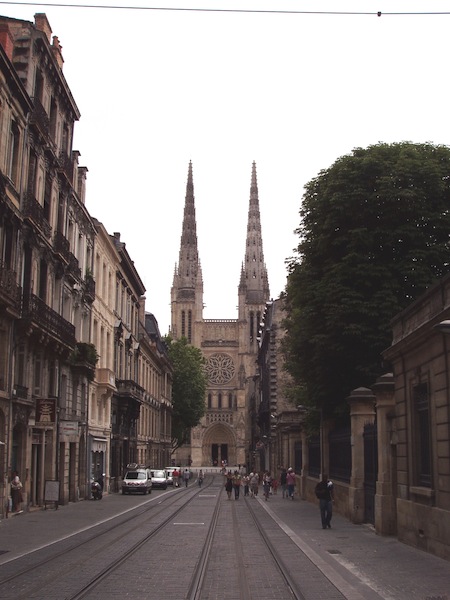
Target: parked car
[159,478]
[137,479]
[169,471]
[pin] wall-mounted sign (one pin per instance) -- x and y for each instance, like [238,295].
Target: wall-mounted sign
[45,411]
[68,427]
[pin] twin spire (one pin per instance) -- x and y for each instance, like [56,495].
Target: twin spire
[253,279]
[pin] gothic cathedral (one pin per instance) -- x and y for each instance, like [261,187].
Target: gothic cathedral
[230,346]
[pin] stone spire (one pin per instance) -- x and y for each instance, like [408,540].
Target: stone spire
[187,288]
[254,281]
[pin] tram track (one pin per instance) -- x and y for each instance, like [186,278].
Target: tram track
[243,562]
[35,570]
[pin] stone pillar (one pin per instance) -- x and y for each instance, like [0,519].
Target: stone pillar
[362,411]
[305,463]
[385,498]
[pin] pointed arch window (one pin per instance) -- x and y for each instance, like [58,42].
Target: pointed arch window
[190,326]
[230,400]
[183,323]
[219,401]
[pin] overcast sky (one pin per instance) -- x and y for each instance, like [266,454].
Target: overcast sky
[293,92]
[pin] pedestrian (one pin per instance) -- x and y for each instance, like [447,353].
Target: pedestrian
[246,484]
[237,480]
[324,492]
[16,493]
[275,485]
[186,476]
[254,484]
[290,482]
[267,483]
[176,477]
[229,484]
[200,478]
[283,484]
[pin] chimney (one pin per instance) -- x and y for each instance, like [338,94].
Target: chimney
[42,24]
[6,40]
[57,52]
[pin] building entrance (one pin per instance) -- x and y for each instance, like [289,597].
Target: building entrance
[219,453]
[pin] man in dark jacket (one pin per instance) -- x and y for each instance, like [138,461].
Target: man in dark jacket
[324,492]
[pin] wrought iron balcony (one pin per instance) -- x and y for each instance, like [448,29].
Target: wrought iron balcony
[35,212]
[89,288]
[10,291]
[61,245]
[66,165]
[39,117]
[39,313]
[74,266]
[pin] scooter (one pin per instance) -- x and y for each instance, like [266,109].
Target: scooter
[96,490]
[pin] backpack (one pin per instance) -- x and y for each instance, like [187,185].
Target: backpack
[321,490]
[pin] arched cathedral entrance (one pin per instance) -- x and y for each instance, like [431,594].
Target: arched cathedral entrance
[219,443]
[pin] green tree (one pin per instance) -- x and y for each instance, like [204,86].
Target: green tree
[374,234]
[188,389]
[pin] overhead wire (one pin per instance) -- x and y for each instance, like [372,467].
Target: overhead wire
[228,10]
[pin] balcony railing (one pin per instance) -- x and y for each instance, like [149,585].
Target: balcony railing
[34,211]
[39,117]
[74,266]
[219,416]
[61,245]
[129,388]
[49,320]
[9,287]
[66,165]
[89,288]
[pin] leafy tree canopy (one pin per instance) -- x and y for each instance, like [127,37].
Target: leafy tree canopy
[374,234]
[188,389]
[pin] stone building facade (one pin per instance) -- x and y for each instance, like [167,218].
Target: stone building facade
[229,346]
[77,363]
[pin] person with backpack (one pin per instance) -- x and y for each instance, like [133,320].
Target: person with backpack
[324,492]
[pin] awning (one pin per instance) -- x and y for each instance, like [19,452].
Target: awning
[98,444]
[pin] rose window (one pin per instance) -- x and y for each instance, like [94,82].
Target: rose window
[220,368]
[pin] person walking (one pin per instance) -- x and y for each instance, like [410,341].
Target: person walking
[229,484]
[176,477]
[290,481]
[237,480]
[16,493]
[186,476]
[254,484]
[283,483]
[200,478]
[267,483]
[324,492]
[246,483]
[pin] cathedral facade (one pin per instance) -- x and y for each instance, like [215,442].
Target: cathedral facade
[229,346]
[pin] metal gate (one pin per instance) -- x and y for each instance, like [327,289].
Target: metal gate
[370,471]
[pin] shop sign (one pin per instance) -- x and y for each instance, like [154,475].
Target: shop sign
[45,411]
[68,427]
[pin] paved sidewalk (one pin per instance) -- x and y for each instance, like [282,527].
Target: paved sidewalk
[358,562]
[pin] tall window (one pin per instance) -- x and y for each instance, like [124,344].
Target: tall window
[183,323]
[421,442]
[13,152]
[252,325]
[190,326]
